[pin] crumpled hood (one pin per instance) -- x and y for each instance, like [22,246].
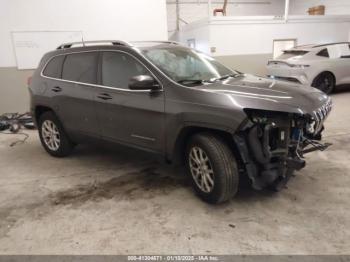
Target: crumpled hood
[248,91]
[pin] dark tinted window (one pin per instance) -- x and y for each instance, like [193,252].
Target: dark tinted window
[81,67]
[347,54]
[54,67]
[296,52]
[292,53]
[118,68]
[323,52]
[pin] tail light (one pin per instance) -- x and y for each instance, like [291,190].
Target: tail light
[29,80]
[299,66]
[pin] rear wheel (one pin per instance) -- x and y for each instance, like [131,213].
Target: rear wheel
[52,135]
[324,82]
[212,168]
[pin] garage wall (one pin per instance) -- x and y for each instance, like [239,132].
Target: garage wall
[246,45]
[256,40]
[333,7]
[200,32]
[14,94]
[194,10]
[252,64]
[98,19]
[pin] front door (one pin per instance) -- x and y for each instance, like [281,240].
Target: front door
[128,116]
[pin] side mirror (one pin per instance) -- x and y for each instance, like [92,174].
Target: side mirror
[143,82]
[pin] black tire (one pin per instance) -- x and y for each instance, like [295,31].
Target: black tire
[324,82]
[65,146]
[223,165]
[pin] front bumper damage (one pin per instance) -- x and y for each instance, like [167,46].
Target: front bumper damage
[272,145]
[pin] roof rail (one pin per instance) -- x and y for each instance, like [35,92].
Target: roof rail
[161,42]
[83,43]
[113,42]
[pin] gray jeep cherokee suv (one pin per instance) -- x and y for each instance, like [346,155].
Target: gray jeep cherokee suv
[178,102]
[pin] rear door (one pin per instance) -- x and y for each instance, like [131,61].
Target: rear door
[76,107]
[345,65]
[128,116]
[340,62]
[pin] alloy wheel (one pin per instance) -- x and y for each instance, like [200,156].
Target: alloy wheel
[51,135]
[201,169]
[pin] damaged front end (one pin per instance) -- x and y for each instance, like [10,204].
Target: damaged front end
[272,144]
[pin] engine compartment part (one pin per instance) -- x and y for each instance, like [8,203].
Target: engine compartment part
[15,121]
[12,123]
[272,145]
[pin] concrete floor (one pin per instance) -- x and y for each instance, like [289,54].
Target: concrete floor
[124,202]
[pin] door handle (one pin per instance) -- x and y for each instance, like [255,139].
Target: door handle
[56,89]
[104,96]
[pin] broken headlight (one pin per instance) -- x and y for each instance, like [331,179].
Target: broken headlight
[264,116]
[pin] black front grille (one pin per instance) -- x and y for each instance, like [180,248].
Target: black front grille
[321,114]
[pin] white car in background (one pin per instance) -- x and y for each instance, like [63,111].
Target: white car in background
[321,66]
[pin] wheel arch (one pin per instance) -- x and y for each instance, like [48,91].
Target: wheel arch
[187,132]
[39,110]
[323,72]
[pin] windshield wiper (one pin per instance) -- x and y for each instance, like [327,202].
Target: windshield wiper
[212,80]
[191,81]
[227,76]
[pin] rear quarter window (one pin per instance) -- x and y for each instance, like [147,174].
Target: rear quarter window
[323,53]
[81,67]
[346,53]
[54,67]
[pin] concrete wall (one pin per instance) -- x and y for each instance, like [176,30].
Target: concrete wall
[333,7]
[257,37]
[97,19]
[247,44]
[252,64]
[14,95]
[194,10]
[198,31]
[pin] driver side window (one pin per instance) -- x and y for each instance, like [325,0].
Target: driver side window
[118,68]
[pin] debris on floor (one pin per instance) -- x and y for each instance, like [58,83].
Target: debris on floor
[12,123]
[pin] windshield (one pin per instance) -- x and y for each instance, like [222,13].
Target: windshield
[182,64]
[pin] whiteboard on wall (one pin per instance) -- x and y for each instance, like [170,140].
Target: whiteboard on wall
[30,46]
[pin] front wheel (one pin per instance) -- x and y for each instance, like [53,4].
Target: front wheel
[212,168]
[324,82]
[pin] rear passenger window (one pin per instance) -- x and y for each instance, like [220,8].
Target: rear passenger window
[323,52]
[118,68]
[81,67]
[54,67]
